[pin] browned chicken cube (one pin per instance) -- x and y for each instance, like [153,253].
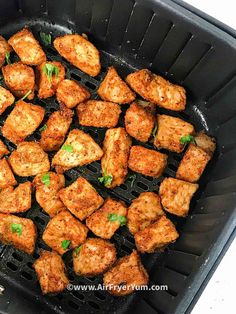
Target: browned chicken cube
[19,232]
[81,198]
[93,257]
[106,220]
[50,74]
[116,147]
[114,89]
[170,130]
[47,186]
[156,89]
[54,131]
[3,149]
[143,211]
[64,232]
[205,142]
[29,159]
[27,47]
[6,176]
[97,113]
[6,99]
[79,52]
[147,161]
[20,79]
[176,195]
[127,275]
[71,93]
[156,236]
[4,49]
[79,149]
[51,272]
[140,120]
[22,121]
[16,200]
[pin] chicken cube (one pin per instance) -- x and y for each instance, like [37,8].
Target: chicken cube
[6,99]
[4,49]
[205,142]
[176,195]
[6,175]
[114,89]
[3,149]
[156,236]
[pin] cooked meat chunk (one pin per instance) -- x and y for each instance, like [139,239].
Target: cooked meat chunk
[81,198]
[51,272]
[206,143]
[116,147]
[79,149]
[156,235]
[4,49]
[3,149]
[6,99]
[176,195]
[47,186]
[156,89]
[55,129]
[27,47]
[114,89]
[22,121]
[106,220]
[170,130]
[20,79]
[64,232]
[94,257]
[140,120]
[97,113]
[29,159]
[19,232]
[143,211]
[79,52]
[127,273]
[16,200]
[71,93]
[50,74]
[6,176]
[147,161]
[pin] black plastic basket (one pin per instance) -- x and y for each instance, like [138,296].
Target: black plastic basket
[187,48]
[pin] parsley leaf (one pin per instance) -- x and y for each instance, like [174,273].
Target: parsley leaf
[46,38]
[50,70]
[16,228]
[7,57]
[154,131]
[114,217]
[106,179]
[43,128]
[67,147]
[132,178]
[26,95]
[65,244]
[77,250]
[187,139]
[46,179]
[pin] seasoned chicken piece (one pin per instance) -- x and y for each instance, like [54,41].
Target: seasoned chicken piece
[4,49]
[19,232]
[156,89]
[27,47]
[170,130]
[64,232]
[71,93]
[51,272]
[205,142]
[47,186]
[116,147]
[6,99]
[29,159]
[20,79]
[97,113]
[79,149]
[143,211]
[16,200]
[156,236]
[106,220]
[81,198]
[55,129]
[147,161]
[22,121]
[94,257]
[140,120]
[6,176]
[50,74]
[176,195]
[3,149]
[114,89]
[79,52]
[126,275]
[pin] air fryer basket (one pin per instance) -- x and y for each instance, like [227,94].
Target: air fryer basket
[168,39]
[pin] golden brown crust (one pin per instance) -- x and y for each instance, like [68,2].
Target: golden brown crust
[4,48]
[6,175]
[147,161]
[114,89]
[6,99]
[97,113]
[79,52]
[205,142]
[3,149]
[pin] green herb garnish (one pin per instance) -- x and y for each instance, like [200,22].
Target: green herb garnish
[7,57]
[26,95]
[132,178]
[106,179]
[154,131]
[187,139]
[77,250]
[43,128]
[65,244]
[114,217]
[46,179]
[46,38]
[50,70]
[1,78]
[16,228]
[67,147]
